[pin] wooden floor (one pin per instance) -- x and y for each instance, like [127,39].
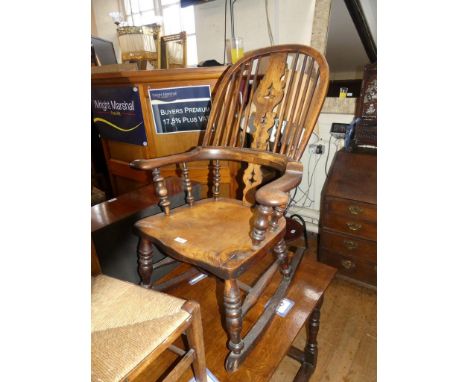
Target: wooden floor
[347,338]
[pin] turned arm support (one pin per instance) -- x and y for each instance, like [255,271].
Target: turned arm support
[276,193]
[272,200]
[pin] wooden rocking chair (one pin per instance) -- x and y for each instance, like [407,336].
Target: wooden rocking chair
[263,113]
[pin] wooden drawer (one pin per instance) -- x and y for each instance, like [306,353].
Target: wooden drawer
[351,226]
[351,209]
[350,266]
[349,245]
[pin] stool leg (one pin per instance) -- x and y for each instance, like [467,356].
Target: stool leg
[195,339]
[145,262]
[311,349]
[281,253]
[233,310]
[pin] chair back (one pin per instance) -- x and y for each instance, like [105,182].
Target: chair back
[174,51]
[275,95]
[270,101]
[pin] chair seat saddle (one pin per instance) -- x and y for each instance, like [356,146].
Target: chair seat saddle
[213,232]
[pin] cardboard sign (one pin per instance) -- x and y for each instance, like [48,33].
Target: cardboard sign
[180,109]
[117,114]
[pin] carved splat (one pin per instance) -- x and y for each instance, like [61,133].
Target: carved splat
[268,95]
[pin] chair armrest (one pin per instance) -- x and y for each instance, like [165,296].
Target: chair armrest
[275,194]
[150,164]
[277,161]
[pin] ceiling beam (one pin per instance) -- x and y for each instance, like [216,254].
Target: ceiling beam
[360,22]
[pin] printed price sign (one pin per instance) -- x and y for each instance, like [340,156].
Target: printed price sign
[117,114]
[180,109]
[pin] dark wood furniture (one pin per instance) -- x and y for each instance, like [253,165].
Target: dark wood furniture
[306,290]
[366,109]
[348,216]
[225,237]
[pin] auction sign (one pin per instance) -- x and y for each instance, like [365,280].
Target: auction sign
[180,109]
[117,114]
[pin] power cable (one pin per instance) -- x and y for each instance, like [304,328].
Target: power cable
[328,154]
[270,34]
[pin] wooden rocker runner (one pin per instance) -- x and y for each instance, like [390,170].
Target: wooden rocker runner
[264,111]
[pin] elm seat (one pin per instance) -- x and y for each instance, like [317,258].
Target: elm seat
[128,324]
[195,233]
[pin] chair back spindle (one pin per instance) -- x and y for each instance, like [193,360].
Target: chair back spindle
[216,179]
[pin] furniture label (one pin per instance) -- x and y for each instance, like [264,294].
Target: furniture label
[180,109]
[117,114]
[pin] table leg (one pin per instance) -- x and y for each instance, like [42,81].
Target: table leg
[308,358]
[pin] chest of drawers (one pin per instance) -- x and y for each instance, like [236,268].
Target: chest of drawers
[348,217]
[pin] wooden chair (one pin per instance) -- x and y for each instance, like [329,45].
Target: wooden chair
[174,51]
[123,313]
[265,118]
[132,326]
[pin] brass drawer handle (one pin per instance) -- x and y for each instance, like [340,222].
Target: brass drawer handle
[347,264]
[354,210]
[349,244]
[354,226]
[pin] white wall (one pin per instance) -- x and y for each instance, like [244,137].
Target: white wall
[313,180]
[369,7]
[291,22]
[105,27]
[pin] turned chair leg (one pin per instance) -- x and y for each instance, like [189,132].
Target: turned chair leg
[145,262]
[233,310]
[281,253]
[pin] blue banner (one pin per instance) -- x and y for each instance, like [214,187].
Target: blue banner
[117,114]
[180,109]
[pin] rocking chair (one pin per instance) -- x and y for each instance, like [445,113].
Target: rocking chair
[263,113]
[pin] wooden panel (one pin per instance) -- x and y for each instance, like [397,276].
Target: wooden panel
[124,185]
[348,245]
[352,209]
[351,226]
[119,154]
[125,151]
[353,176]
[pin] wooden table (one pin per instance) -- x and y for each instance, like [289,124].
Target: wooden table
[114,210]
[306,290]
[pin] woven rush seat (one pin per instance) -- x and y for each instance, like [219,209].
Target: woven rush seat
[128,323]
[196,233]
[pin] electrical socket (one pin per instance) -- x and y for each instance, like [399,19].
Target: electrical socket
[316,149]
